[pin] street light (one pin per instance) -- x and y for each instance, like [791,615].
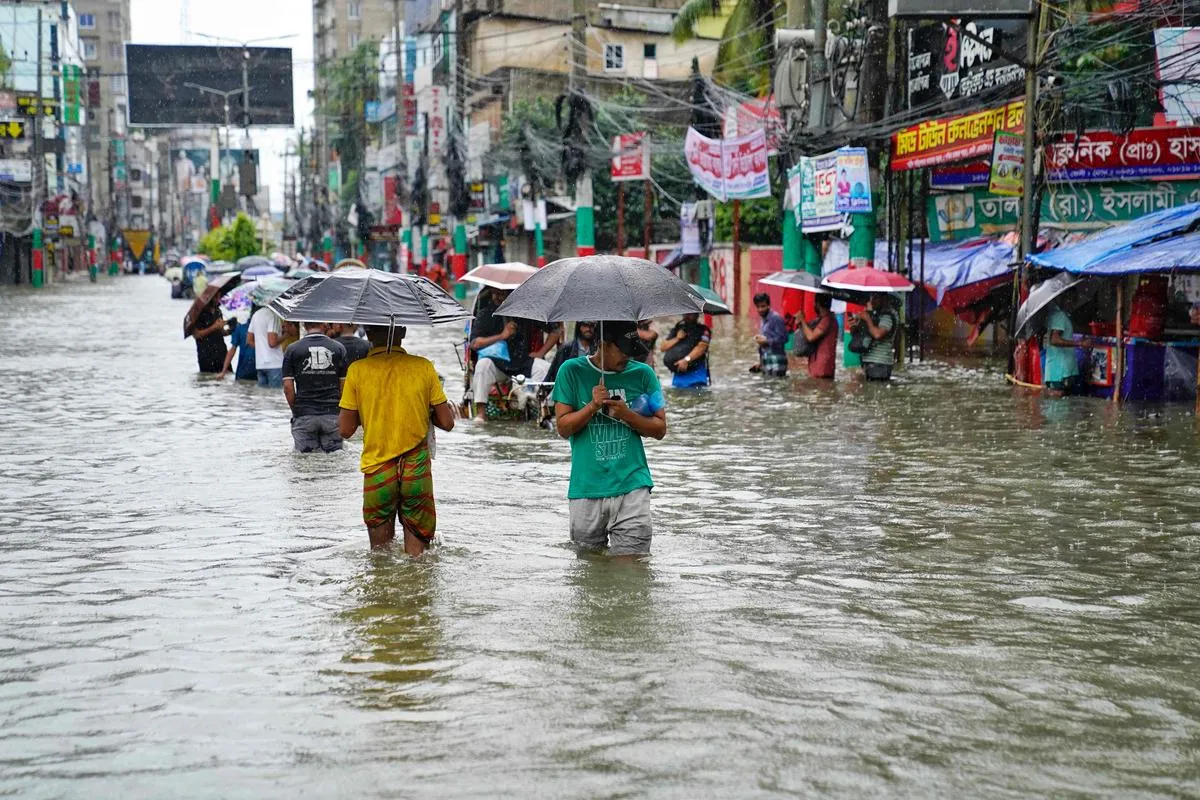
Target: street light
[245,66]
[225,99]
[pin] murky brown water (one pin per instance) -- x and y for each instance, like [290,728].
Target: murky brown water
[933,588]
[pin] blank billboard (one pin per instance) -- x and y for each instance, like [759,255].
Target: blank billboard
[160,94]
[972,9]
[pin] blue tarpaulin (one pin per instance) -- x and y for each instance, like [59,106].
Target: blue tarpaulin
[1157,242]
[948,265]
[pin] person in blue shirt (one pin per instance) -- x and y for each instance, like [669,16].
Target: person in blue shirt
[771,340]
[1062,366]
[237,344]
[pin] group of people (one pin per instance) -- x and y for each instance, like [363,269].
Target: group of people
[872,335]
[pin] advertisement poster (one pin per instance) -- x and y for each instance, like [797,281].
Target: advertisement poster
[1008,164]
[631,157]
[729,169]
[191,169]
[818,196]
[853,190]
[948,62]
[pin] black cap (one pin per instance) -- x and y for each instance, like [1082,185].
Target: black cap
[624,334]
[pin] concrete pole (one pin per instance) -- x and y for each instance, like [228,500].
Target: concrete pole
[585,215]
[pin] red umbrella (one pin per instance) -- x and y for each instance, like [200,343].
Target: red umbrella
[867,279]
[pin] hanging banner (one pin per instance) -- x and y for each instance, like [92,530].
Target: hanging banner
[852,193]
[729,169]
[1008,164]
[747,174]
[818,194]
[705,163]
[751,116]
[958,138]
[631,157]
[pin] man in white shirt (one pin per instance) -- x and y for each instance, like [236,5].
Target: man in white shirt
[266,331]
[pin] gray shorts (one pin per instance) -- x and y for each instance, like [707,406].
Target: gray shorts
[316,432]
[619,524]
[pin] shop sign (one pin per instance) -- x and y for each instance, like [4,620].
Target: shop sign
[1008,164]
[958,138]
[945,63]
[631,157]
[1144,153]
[979,212]
[11,129]
[16,170]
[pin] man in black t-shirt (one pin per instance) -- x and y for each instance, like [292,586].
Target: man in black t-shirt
[314,370]
[356,347]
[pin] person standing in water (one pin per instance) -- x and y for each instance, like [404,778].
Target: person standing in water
[395,397]
[605,404]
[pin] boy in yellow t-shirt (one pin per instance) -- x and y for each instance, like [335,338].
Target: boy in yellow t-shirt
[395,396]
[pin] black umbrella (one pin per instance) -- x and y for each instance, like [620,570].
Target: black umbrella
[368,297]
[601,287]
[1045,293]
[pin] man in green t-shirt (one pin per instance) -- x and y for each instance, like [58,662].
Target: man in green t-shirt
[605,403]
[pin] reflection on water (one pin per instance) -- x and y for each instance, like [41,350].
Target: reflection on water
[938,587]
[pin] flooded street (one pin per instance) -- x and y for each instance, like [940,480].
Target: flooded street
[932,588]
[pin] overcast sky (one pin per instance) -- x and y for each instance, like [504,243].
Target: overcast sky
[158,22]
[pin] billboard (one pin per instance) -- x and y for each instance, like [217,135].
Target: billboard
[950,62]
[160,94]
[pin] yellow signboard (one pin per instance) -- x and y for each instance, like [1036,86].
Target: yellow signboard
[137,240]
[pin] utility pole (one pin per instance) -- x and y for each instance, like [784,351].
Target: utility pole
[585,213]
[1028,195]
[458,266]
[38,189]
[406,228]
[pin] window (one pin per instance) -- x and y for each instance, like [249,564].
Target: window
[116,84]
[87,22]
[649,50]
[135,201]
[354,10]
[135,175]
[614,58]
[114,51]
[353,39]
[114,20]
[90,51]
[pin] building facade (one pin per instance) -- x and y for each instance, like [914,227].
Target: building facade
[104,28]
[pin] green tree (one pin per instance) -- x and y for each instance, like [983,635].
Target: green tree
[747,48]
[231,242]
[5,67]
[350,83]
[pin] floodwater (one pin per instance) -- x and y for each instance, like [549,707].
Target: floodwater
[932,588]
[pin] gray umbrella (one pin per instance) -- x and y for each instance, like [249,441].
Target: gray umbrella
[1043,295]
[368,297]
[601,287]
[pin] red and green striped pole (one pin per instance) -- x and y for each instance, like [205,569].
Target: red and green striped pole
[38,277]
[585,217]
[458,261]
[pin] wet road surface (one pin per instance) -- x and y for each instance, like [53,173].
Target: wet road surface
[933,588]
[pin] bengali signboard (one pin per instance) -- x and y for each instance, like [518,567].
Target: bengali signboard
[1008,164]
[958,138]
[948,63]
[16,170]
[1089,206]
[1145,153]
[818,194]
[729,169]
[631,157]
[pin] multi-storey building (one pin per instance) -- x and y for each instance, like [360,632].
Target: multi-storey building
[339,26]
[104,28]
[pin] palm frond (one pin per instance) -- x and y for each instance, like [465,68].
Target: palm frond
[690,14]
